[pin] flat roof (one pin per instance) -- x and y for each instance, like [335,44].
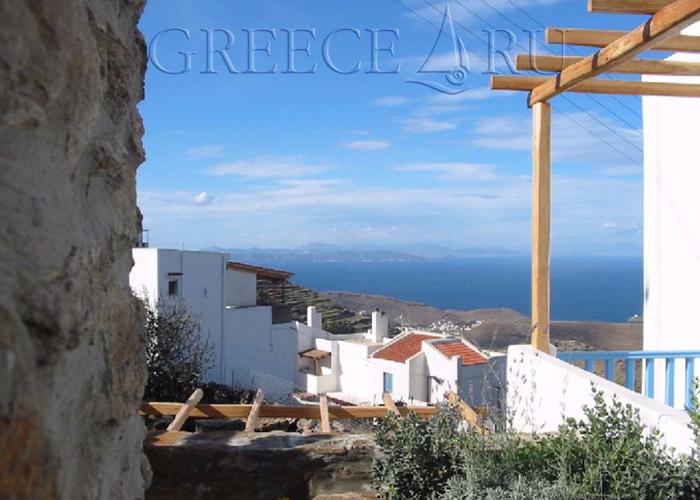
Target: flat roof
[263,273]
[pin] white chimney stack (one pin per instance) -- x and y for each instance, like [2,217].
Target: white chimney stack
[380,325]
[313,317]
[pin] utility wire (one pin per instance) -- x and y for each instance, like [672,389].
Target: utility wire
[490,25]
[598,136]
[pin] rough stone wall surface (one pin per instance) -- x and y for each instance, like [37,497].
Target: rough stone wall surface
[71,365]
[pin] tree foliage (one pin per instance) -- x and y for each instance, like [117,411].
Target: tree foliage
[177,356]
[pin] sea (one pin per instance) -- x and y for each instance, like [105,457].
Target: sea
[583,288]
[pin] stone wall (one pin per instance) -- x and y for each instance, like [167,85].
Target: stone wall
[71,365]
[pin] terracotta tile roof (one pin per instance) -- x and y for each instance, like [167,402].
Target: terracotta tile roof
[402,349]
[457,348]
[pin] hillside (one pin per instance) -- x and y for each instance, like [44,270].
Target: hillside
[498,327]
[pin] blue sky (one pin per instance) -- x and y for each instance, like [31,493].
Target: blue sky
[281,159]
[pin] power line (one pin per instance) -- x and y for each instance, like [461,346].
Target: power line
[592,98]
[412,11]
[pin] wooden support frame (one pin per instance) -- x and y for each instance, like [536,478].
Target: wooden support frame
[627,6]
[252,420]
[666,23]
[541,217]
[466,411]
[620,87]
[213,411]
[389,403]
[325,418]
[603,38]
[184,412]
[637,66]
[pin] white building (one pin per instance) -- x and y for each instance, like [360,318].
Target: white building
[543,390]
[415,367]
[223,297]
[252,351]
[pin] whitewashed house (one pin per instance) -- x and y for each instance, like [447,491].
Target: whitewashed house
[223,297]
[415,367]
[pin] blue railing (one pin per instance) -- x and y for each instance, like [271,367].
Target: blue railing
[646,359]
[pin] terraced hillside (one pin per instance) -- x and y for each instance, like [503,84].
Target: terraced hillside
[295,299]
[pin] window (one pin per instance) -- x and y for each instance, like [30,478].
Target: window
[388,382]
[173,288]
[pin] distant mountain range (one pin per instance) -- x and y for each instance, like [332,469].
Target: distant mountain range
[323,252]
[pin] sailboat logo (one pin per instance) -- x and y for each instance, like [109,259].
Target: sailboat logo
[454,66]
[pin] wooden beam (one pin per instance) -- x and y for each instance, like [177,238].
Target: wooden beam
[466,411]
[325,419]
[252,420]
[389,403]
[663,25]
[619,87]
[638,66]
[184,412]
[603,38]
[627,6]
[541,200]
[215,411]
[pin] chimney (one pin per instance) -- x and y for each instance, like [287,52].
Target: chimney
[380,325]
[313,317]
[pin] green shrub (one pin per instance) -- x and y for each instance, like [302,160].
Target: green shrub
[609,454]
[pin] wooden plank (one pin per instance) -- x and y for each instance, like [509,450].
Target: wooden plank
[389,403]
[627,6]
[252,420]
[528,62]
[184,411]
[603,38]
[325,419]
[467,412]
[619,87]
[281,411]
[541,206]
[663,25]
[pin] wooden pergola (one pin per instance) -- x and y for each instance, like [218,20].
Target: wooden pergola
[661,31]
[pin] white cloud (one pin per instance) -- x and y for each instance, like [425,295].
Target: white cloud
[426,125]
[202,198]
[204,152]
[391,101]
[452,171]
[268,167]
[576,137]
[367,145]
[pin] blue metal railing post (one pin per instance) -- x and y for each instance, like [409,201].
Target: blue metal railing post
[670,380]
[610,370]
[630,366]
[689,381]
[649,377]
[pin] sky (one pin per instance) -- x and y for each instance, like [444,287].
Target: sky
[358,123]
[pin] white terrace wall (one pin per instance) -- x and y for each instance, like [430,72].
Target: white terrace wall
[672,220]
[259,354]
[543,391]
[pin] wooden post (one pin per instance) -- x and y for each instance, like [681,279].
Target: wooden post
[541,200]
[254,412]
[466,411]
[389,403]
[185,410]
[325,419]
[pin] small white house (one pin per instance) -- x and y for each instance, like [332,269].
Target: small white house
[415,367]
